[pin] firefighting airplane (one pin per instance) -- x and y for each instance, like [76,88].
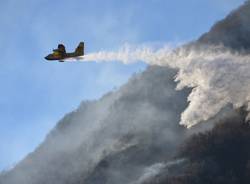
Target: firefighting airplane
[61,55]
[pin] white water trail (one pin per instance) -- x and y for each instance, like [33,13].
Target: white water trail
[217,76]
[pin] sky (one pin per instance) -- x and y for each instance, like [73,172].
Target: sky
[35,94]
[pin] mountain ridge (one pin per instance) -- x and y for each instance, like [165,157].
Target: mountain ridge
[113,139]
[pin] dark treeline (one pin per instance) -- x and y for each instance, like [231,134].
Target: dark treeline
[217,156]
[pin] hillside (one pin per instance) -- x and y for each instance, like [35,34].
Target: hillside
[115,139]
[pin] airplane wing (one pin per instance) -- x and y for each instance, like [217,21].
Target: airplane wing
[61,48]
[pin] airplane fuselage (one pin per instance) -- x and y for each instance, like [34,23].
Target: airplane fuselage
[61,55]
[60,58]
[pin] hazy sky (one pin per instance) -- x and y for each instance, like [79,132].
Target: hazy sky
[35,93]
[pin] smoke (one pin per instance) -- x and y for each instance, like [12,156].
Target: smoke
[150,172]
[156,169]
[217,76]
[125,129]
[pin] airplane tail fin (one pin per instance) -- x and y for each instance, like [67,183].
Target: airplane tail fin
[80,49]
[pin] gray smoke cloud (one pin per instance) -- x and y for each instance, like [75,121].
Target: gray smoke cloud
[133,121]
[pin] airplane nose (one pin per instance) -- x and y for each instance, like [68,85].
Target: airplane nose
[47,57]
